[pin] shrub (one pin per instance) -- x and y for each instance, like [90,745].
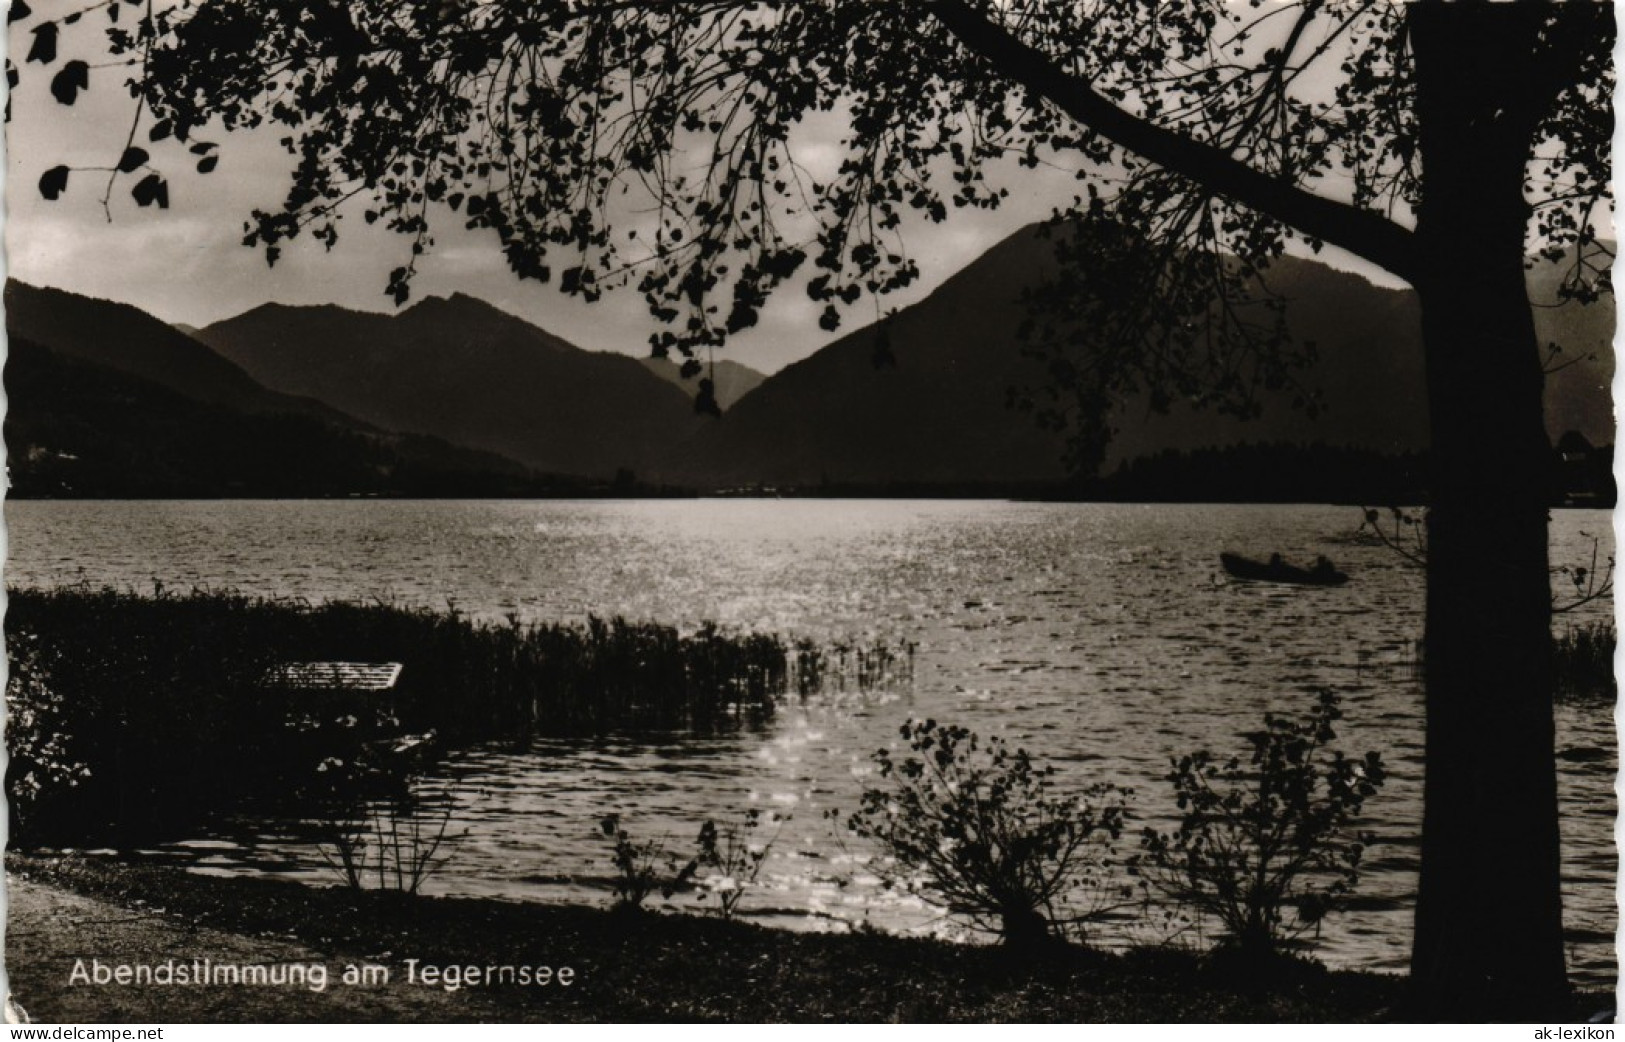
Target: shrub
[382,832]
[641,868]
[391,844]
[735,854]
[977,824]
[1269,836]
[43,762]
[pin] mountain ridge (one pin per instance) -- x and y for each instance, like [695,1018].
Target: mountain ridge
[127,339]
[734,380]
[933,411]
[461,369]
[919,400]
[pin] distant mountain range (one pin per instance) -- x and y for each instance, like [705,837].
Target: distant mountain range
[121,405]
[106,434]
[454,396]
[126,339]
[733,380]
[462,370]
[936,411]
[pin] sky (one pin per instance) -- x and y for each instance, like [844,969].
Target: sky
[187,264]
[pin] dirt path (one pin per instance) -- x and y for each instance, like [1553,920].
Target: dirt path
[50,932]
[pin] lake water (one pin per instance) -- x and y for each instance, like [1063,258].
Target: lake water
[1102,638]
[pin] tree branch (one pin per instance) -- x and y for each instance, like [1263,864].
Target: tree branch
[1362,232]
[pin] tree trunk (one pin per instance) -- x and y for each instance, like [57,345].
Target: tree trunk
[1026,933]
[1488,942]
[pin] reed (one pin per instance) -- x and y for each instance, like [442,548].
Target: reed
[1583,661]
[841,666]
[164,699]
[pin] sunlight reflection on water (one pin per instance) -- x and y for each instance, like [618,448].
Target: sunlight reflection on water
[1101,637]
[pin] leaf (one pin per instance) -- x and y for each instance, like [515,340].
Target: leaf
[203,148]
[705,402]
[151,189]
[742,317]
[132,160]
[19,11]
[160,130]
[66,85]
[43,49]
[400,285]
[53,182]
[207,164]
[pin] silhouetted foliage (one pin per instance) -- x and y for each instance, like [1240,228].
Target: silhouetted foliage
[734,854]
[115,684]
[1583,661]
[379,827]
[980,829]
[549,124]
[642,867]
[1267,845]
[1404,531]
[43,766]
[1435,140]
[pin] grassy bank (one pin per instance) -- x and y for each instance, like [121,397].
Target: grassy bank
[648,968]
[132,710]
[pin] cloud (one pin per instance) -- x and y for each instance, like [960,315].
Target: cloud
[187,264]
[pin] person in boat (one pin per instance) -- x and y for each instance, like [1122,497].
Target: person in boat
[1323,568]
[1275,561]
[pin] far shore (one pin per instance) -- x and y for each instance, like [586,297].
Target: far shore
[642,967]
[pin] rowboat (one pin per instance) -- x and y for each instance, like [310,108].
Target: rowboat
[1275,570]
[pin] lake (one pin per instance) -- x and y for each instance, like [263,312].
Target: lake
[1102,638]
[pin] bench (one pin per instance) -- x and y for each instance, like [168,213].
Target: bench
[334,676]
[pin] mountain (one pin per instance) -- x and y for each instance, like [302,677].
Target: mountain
[462,370]
[454,394]
[104,400]
[128,340]
[76,428]
[934,411]
[733,380]
[937,415]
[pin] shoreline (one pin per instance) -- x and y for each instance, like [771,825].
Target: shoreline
[649,967]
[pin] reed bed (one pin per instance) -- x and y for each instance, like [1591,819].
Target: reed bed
[148,705]
[1583,661]
[842,666]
